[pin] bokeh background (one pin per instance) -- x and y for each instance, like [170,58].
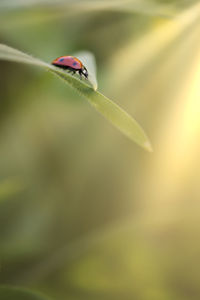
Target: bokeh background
[84,212]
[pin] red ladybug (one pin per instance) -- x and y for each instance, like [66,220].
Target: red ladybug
[72,64]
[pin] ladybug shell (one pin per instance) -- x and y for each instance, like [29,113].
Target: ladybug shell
[68,61]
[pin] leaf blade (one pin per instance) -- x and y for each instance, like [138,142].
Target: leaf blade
[120,119]
[110,110]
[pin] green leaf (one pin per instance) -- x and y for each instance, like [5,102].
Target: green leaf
[13,293]
[111,111]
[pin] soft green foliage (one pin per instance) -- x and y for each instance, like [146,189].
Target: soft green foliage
[111,111]
[11,293]
[10,187]
[84,213]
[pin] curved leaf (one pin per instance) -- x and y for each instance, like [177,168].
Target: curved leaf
[111,111]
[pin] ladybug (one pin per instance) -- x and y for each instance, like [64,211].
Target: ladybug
[72,64]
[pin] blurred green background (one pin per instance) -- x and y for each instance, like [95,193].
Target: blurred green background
[84,212]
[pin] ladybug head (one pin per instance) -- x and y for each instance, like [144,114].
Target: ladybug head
[85,72]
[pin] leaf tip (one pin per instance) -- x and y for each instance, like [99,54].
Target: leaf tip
[147,145]
[95,87]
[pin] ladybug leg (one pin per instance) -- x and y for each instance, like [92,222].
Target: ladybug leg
[80,73]
[70,70]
